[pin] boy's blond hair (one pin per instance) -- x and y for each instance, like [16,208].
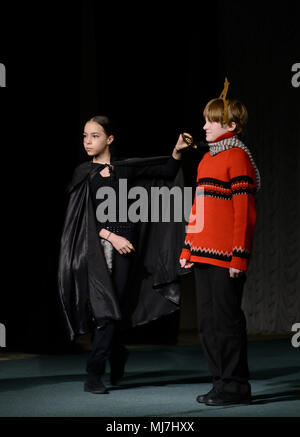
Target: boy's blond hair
[236,112]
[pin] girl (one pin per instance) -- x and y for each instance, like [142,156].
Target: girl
[99,258]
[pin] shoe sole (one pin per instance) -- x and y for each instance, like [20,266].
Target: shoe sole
[102,392]
[245,402]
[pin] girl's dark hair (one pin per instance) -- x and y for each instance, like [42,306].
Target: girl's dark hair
[105,122]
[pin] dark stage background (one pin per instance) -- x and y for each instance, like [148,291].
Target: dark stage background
[153,70]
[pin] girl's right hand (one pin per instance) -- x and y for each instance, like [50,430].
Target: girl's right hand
[121,244]
[185,264]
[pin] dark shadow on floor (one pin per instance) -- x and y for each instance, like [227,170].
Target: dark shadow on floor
[166,377]
[289,395]
[179,377]
[263,399]
[273,372]
[140,380]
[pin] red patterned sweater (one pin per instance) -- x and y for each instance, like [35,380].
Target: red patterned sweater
[228,181]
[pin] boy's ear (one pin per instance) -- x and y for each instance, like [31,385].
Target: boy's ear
[232,126]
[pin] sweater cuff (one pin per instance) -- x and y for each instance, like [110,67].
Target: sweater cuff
[239,263]
[185,254]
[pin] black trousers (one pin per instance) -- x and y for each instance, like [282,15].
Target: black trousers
[222,326]
[106,341]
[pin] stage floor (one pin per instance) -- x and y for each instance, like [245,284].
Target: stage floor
[160,381]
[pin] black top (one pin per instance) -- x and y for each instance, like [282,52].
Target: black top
[130,173]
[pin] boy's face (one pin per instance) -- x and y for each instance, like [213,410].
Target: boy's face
[214,129]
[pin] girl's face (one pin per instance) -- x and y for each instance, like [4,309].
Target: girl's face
[214,129]
[95,140]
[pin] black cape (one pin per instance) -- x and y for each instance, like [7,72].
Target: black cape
[84,282]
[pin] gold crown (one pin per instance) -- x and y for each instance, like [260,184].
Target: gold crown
[225,101]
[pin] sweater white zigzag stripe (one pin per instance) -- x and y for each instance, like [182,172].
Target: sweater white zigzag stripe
[239,249]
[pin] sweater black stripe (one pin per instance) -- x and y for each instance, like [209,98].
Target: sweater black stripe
[243,178]
[210,255]
[212,181]
[240,254]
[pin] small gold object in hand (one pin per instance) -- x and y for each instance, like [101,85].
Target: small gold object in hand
[189,140]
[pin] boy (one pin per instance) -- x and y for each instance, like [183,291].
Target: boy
[220,253]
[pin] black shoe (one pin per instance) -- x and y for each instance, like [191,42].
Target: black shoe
[117,365]
[203,398]
[94,384]
[225,398]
